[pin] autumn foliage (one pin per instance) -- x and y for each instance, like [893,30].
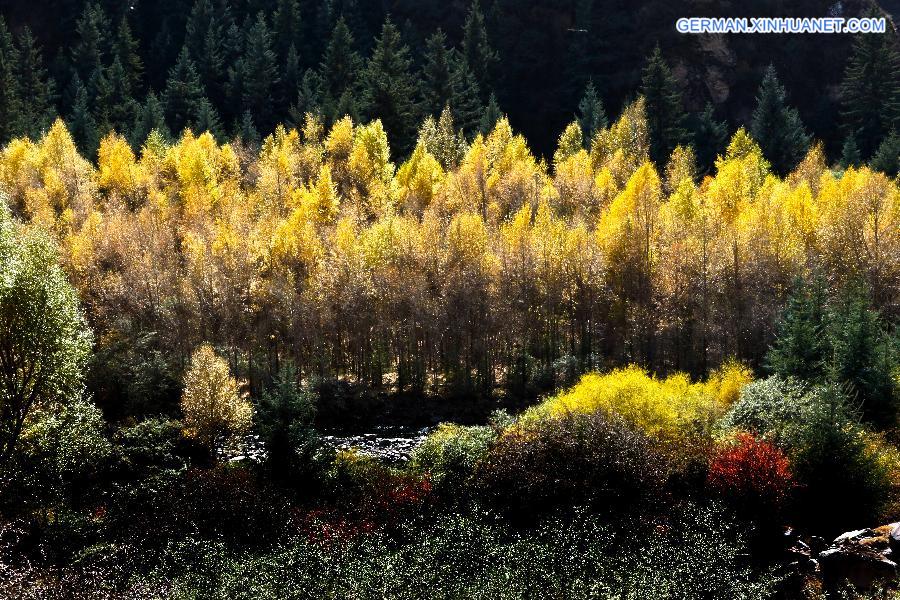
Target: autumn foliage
[467,267]
[753,474]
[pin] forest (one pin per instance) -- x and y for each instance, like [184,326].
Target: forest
[647,335]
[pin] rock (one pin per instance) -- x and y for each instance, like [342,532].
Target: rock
[894,539]
[852,536]
[817,544]
[861,557]
[858,565]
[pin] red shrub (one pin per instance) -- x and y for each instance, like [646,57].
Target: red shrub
[753,475]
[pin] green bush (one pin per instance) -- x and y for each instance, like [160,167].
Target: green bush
[66,445]
[450,454]
[843,470]
[473,555]
[592,459]
[843,478]
[768,407]
[149,446]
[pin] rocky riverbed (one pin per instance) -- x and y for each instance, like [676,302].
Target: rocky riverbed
[390,443]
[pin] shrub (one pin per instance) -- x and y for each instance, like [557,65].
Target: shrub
[365,490]
[149,446]
[674,412]
[767,407]
[842,470]
[840,465]
[752,475]
[594,459]
[223,502]
[44,339]
[450,454]
[473,555]
[66,445]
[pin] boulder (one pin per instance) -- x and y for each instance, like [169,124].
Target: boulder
[861,557]
[894,539]
[857,565]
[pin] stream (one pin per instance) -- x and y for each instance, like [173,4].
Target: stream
[391,443]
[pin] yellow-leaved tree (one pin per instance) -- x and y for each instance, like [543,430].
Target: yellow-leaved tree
[212,404]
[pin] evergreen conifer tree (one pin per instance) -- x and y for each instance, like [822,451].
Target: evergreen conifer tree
[126,52]
[116,106]
[183,93]
[862,356]
[491,115]
[887,157]
[477,50]
[465,99]
[10,115]
[800,349]
[151,117]
[35,88]
[850,156]
[390,88]
[81,123]
[207,120]
[287,25]
[437,84]
[248,132]
[710,138]
[91,44]
[776,127]
[591,116]
[665,112]
[260,73]
[339,75]
[870,92]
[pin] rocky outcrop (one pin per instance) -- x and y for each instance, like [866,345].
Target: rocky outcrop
[863,558]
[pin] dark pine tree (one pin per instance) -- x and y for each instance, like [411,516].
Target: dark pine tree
[801,349]
[710,138]
[477,50]
[850,156]
[862,357]
[339,75]
[116,106]
[126,51]
[465,99]
[307,100]
[436,76]
[151,117]
[776,127]
[248,132]
[10,107]
[81,123]
[492,114]
[390,88]
[870,92]
[259,76]
[591,116]
[201,20]
[183,93]
[90,48]
[36,89]
[290,82]
[208,35]
[211,65]
[665,111]
[207,120]
[288,29]
[887,157]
